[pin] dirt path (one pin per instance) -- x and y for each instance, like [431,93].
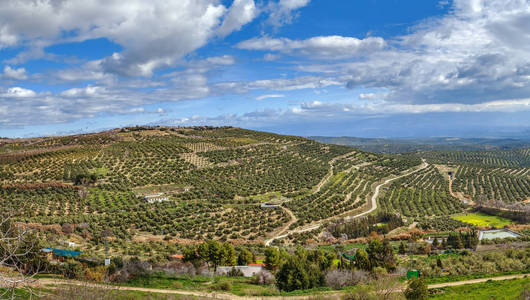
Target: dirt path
[281,234]
[209,295]
[479,280]
[284,228]
[319,223]
[330,173]
[459,195]
[215,295]
[378,187]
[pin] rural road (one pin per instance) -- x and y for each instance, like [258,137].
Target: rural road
[378,187]
[373,200]
[213,295]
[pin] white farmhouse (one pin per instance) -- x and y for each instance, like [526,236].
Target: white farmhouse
[156,198]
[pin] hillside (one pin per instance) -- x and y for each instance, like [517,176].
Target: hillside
[172,204]
[215,180]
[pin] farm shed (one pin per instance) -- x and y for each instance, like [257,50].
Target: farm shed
[152,198]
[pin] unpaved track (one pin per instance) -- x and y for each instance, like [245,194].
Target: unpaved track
[479,280]
[213,295]
[280,233]
[378,187]
[330,173]
[317,224]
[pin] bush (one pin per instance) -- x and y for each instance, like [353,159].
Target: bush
[417,289]
[235,272]
[337,279]
[72,269]
[96,274]
[263,277]
[223,286]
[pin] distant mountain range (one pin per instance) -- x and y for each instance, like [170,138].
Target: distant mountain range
[403,145]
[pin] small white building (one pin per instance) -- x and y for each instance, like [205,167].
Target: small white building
[269,205]
[156,198]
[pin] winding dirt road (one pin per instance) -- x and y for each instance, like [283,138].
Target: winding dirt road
[317,224]
[378,187]
[214,295]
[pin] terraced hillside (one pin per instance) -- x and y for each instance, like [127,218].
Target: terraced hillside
[488,175]
[215,179]
[422,194]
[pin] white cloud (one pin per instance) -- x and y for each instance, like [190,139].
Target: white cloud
[369,96]
[333,46]
[16,74]
[241,12]
[478,52]
[18,92]
[89,91]
[284,11]
[154,34]
[288,84]
[268,96]
[221,60]
[137,110]
[385,107]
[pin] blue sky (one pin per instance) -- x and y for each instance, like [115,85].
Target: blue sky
[371,68]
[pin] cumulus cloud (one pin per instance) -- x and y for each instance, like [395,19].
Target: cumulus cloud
[241,12]
[18,92]
[478,52]
[26,107]
[154,34]
[16,74]
[333,46]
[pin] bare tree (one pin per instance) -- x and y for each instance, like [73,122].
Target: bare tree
[19,258]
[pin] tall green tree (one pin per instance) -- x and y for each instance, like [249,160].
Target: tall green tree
[381,254]
[362,261]
[245,257]
[272,258]
[293,275]
[228,254]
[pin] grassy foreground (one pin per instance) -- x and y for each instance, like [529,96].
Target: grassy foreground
[503,289]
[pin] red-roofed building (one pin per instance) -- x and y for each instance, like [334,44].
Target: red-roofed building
[256,265]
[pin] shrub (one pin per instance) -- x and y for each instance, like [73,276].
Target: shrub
[417,289]
[223,286]
[72,269]
[337,279]
[235,272]
[263,277]
[96,274]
